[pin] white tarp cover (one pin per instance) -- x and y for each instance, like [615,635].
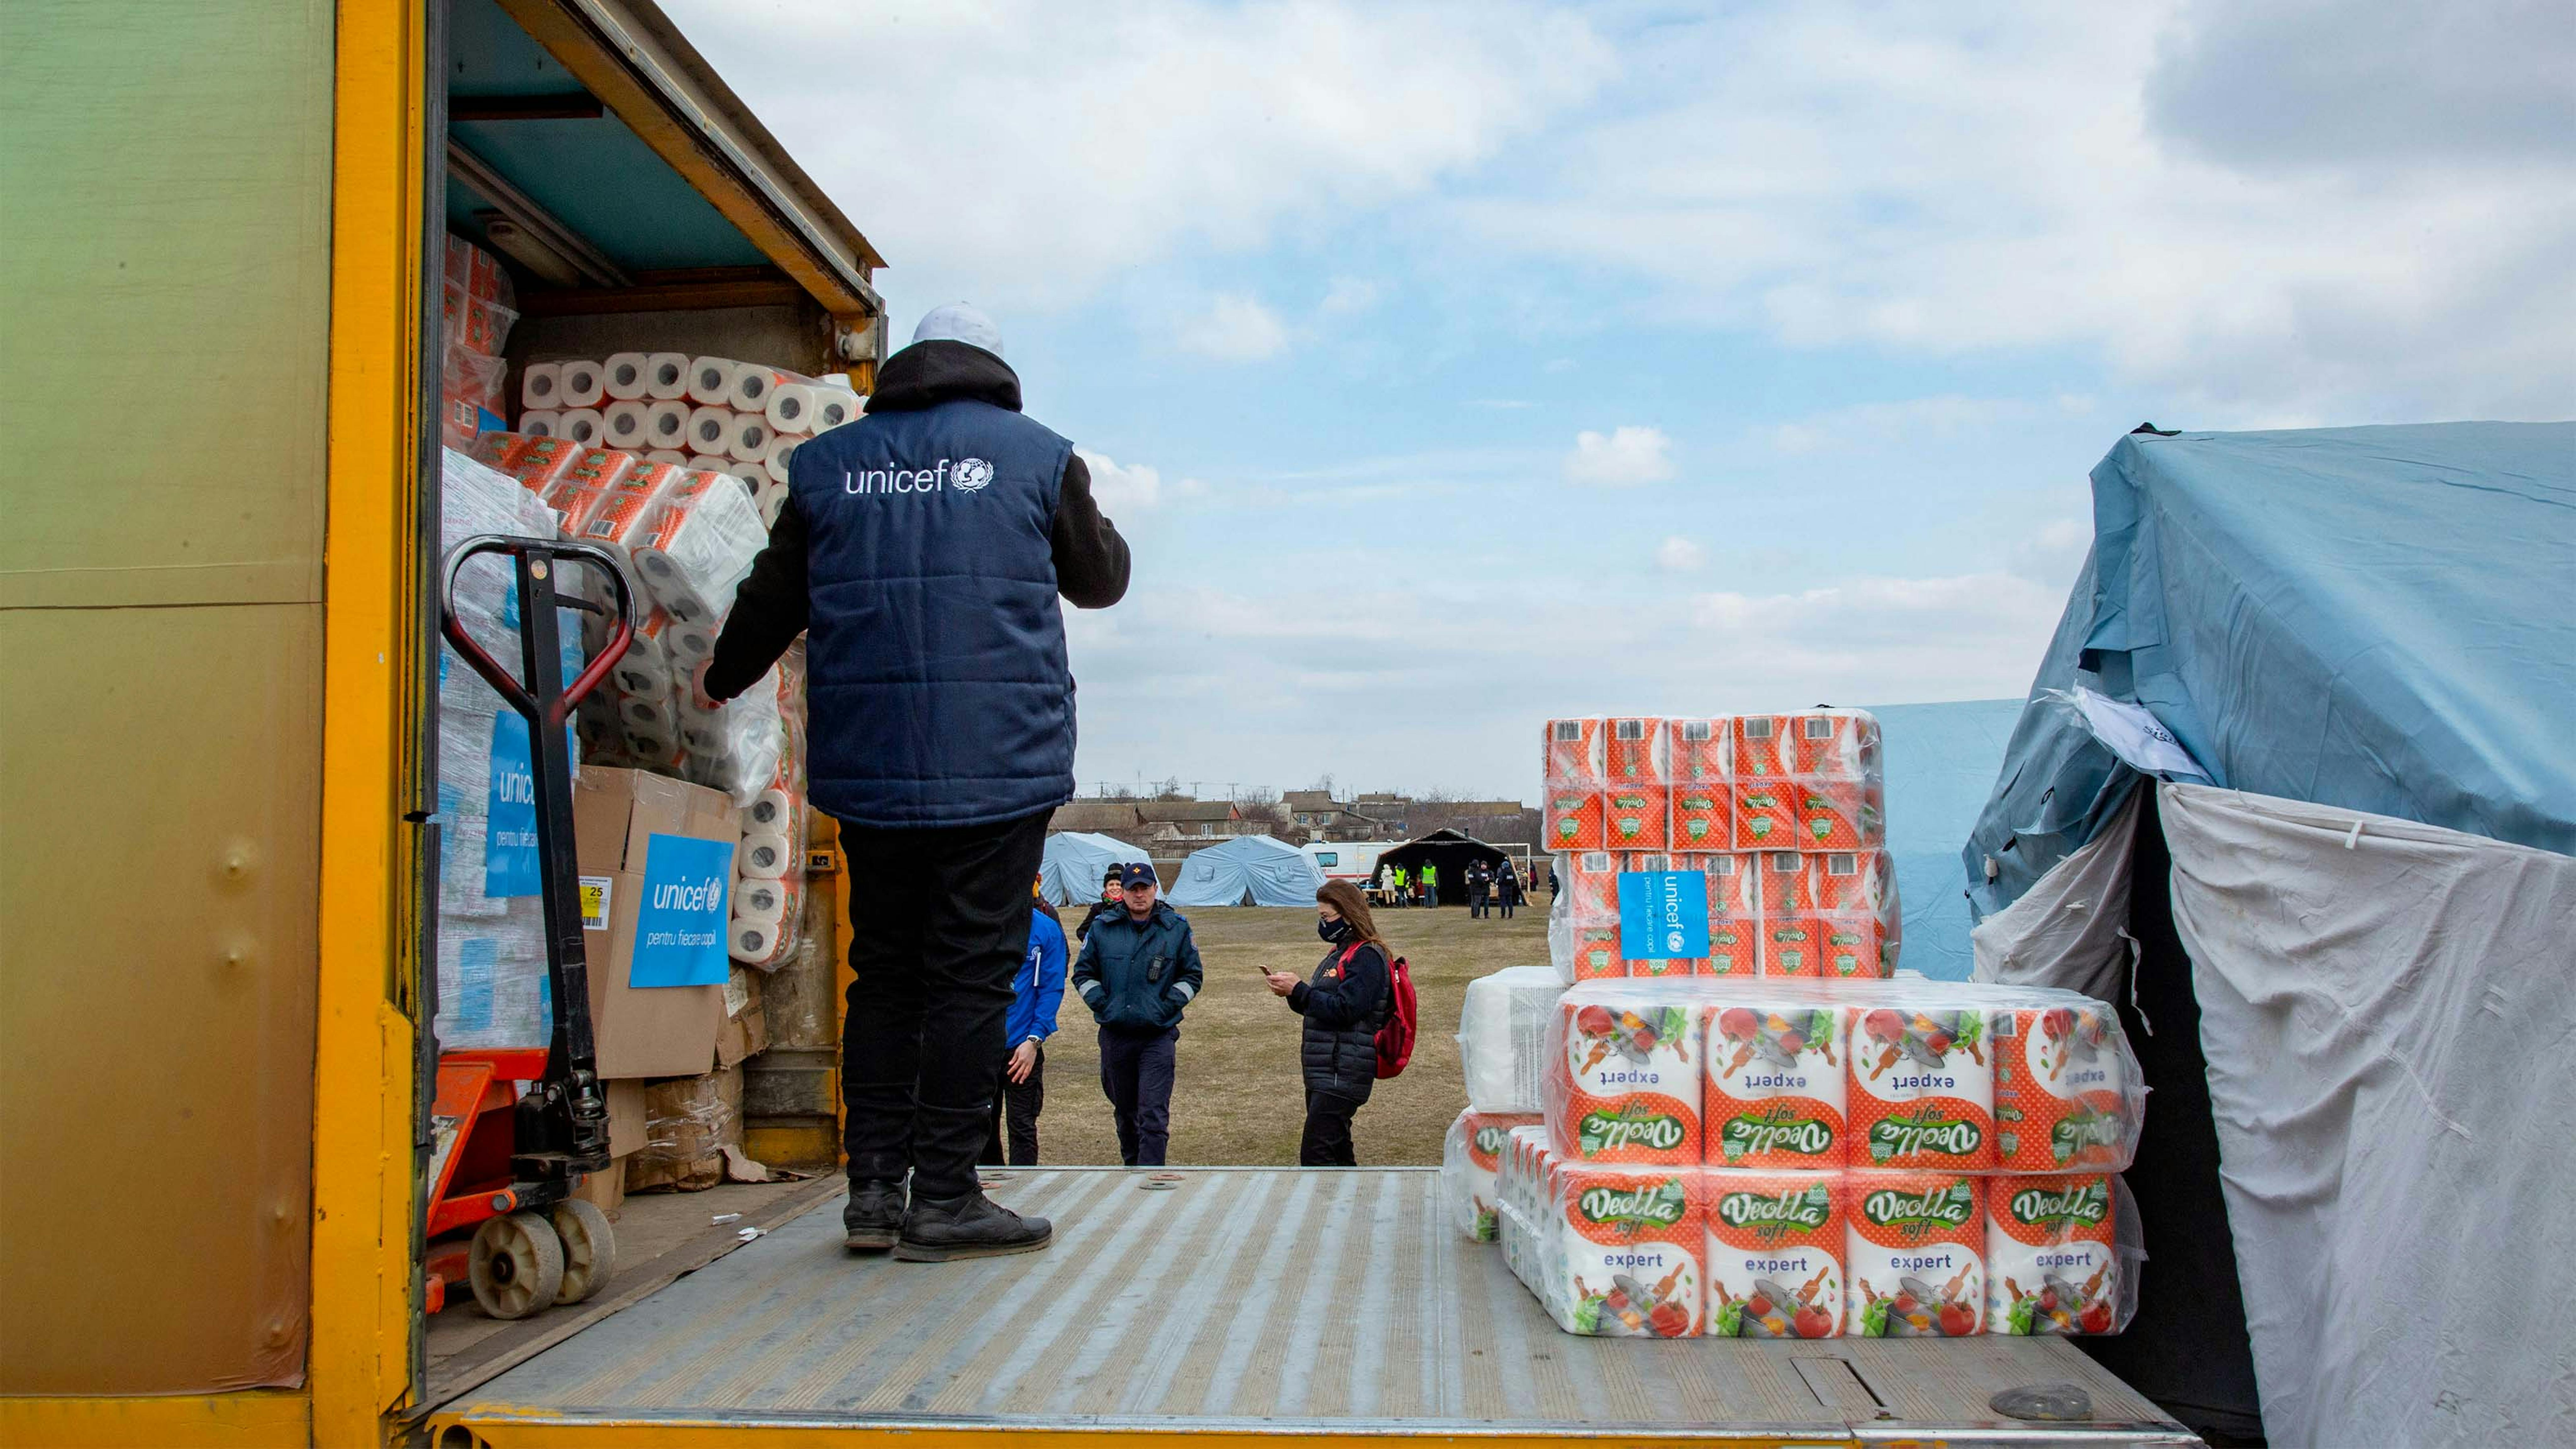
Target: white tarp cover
[1071,867]
[1254,869]
[2390,1025]
[2070,929]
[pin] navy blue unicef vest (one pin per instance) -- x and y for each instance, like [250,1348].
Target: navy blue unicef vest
[936,686]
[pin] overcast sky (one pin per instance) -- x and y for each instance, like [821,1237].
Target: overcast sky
[1452,366]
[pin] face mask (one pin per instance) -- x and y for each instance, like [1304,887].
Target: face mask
[1333,931]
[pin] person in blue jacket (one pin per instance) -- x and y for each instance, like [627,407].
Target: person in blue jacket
[1031,1020]
[1138,970]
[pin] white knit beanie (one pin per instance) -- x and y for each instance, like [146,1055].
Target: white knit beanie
[960,322]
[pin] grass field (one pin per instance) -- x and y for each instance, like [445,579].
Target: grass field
[1238,1098]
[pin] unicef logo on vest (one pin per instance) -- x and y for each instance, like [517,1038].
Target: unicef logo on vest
[966,475]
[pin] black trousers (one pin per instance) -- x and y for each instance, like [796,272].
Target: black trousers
[1025,1100]
[1136,1073]
[1475,905]
[939,921]
[1505,902]
[1326,1141]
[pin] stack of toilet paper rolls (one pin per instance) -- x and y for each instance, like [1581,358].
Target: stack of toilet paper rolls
[1783,1159]
[769,864]
[708,414]
[1780,817]
[686,539]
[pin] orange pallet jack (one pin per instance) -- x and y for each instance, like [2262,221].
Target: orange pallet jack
[515,1130]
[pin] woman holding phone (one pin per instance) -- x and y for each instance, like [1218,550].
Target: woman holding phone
[1344,1003]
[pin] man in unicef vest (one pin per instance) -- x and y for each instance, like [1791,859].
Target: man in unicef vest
[921,550]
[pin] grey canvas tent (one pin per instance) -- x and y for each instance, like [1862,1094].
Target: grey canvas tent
[1070,870]
[2294,789]
[1249,870]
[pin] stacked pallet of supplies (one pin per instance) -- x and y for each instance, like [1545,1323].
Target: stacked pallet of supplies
[476,308]
[491,967]
[685,539]
[1790,1159]
[1774,825]
[709,414]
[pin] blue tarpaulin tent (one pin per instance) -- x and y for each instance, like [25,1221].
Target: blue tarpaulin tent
[1074,860]
[1940,761]
[1249,870]
[2365,641]
[2373,618]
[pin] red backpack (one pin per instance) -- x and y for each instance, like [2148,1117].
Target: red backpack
[1395,1039]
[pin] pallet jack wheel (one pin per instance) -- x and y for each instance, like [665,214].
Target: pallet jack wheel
[517,1264]
[589,1248]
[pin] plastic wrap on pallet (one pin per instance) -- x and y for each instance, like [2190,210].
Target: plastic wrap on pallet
[802,995]
[688,1123]
[1503,1037]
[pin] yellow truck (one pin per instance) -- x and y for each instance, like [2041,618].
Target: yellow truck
[223,228]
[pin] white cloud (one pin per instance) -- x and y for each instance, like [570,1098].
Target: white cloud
[1022,153]
[1679,555]
[1349,296]
[1965,636]
[2124,181]
[1124,489]
[1623,456]
[1234,328]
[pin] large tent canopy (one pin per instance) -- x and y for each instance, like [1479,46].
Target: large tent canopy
[1070,870]
[2341,960]
[1450,853]
[2374,618]
[1249,870]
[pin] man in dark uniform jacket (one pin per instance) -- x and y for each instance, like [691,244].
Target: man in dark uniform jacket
[922,550]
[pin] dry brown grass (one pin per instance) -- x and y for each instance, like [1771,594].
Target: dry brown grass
[1238,1098]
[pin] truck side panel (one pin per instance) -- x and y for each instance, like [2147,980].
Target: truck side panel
[167,243]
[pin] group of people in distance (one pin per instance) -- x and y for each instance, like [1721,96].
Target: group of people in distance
[1138,970]
[1494,890]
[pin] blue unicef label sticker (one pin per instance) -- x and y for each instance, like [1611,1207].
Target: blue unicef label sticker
[1663,915]
[510,815]
[680,927]
[478,968]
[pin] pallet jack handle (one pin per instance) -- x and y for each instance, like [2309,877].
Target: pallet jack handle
[563,1120]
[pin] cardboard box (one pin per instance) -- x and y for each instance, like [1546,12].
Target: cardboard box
[618,818]
[746,1029]
[605,1190]
[625,1117]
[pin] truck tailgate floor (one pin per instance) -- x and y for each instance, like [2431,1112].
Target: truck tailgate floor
[1265,1301]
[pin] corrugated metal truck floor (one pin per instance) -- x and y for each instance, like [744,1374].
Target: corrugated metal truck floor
[1243,1300]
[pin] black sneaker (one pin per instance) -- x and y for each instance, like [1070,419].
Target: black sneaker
[938,1229]
[873,1217]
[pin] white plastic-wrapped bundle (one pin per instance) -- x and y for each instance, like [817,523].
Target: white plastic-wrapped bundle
[491,957]
[1471,1168]
[1503,1037]
[625,518]
[699,548]
[1630,1251]
[492,978]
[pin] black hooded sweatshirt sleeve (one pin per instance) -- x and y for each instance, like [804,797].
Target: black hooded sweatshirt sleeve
[770,609]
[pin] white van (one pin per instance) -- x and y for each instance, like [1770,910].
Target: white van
[1350,860]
